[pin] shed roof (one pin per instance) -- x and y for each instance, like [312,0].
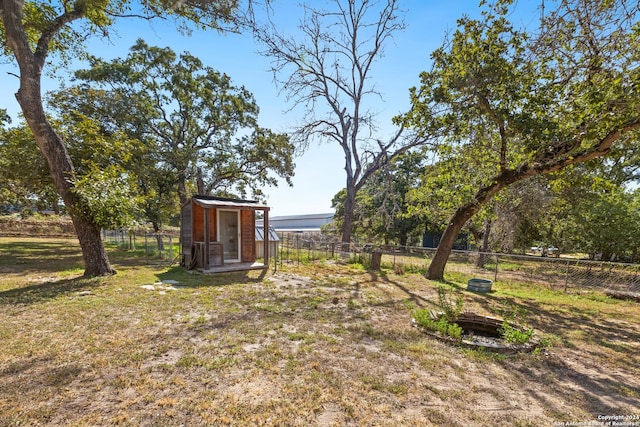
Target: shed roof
[273,236]
[214,202]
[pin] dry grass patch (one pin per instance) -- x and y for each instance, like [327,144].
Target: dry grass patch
[316,344]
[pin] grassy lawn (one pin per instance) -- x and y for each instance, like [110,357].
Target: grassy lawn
[314,344]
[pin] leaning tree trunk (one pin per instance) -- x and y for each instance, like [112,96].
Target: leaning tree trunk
[62,170]
[458,220]
[565,153]
[465,212]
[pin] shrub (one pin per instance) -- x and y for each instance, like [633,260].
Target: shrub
[515,335]
[440,325]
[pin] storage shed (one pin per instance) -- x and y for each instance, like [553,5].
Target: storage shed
[218,234]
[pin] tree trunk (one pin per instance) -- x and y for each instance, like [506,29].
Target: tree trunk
[482,259]
[159,239]
[182,190]
[96,261]
[462,215]
[349,205]
[60,166]
[376,260]
[465,212]
[200,183]
[546,163]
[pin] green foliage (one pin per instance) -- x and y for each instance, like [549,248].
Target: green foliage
[513,329]
[509,104]
[514,334]
[439,325]
[5,119]
[23,171]
[606,222]
[444,322]
[108,197]
[42,18]
[37,19]
[31,32]
[196,127]
[451,309]
[175,126]
[382,210]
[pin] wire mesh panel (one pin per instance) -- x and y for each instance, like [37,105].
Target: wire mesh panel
[567,274]
[157,248]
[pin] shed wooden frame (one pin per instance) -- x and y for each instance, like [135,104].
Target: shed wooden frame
[200,236]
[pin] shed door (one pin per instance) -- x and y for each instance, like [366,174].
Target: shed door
[229,228]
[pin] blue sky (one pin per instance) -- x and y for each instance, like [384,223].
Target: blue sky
[319,172]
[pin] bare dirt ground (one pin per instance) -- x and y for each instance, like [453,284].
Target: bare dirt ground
[324,344]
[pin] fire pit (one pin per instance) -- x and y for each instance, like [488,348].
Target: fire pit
[487,333]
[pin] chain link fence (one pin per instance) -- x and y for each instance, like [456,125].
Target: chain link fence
[158,248]
[565,274]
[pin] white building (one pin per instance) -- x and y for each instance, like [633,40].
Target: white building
[310,223]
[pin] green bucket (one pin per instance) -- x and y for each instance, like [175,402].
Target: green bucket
[479,285]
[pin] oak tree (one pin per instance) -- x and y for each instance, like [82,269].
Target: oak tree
[33,33]
[198,129]
[531,102]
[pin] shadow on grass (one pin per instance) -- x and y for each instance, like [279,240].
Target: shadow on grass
[40,256]
[417,299]
[551,381]
[588,337]
[195,279]
[31,259]
[40,292]
[588,333]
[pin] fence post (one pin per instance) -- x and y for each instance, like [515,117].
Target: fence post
[274,257]
[495,276]
[427,262]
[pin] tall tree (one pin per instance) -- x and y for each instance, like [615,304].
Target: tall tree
[195,123]
[30,32]
[327,70]
[605,223]
[533,103]
[25,178]
[381,211]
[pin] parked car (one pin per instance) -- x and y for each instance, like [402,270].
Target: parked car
[544,251]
